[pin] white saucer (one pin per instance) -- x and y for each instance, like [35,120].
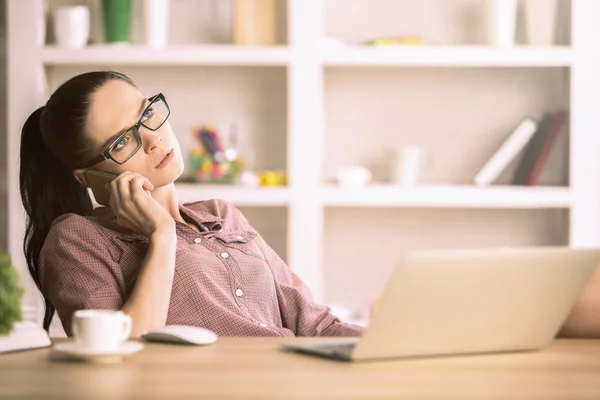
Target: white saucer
[73,350]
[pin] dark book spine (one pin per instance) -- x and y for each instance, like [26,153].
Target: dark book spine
[541,160]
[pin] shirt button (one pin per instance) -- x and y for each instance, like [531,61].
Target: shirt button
[225,255]
[239,293]
[197,240]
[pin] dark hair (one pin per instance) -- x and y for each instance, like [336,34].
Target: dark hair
[53,144]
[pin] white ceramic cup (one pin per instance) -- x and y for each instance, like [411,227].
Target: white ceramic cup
[353,176]
[72,26]
[100,330]
[405,164]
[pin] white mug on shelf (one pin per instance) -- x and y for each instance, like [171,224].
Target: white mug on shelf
[100,330]
[540,21]
[156,24]
[404,165]
[72,26]
[500,22]
[353,176]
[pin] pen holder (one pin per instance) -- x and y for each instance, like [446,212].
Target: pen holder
[211,161]
[205,169]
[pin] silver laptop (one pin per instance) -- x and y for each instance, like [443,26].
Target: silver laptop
[467,302]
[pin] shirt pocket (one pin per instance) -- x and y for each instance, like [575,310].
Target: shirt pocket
[244,241]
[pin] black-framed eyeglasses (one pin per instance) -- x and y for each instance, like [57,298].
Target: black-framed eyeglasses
[129,142]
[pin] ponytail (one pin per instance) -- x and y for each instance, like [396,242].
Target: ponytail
[53,144]
[48,190]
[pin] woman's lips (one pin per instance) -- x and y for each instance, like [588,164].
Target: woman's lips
[166,159]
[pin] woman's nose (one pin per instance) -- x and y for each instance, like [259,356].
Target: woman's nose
[151,139]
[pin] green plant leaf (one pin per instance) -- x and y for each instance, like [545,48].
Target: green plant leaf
[10,295]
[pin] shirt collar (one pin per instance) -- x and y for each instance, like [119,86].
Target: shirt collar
[206,219]
[202,217]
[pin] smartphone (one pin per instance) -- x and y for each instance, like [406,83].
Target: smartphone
[97,181]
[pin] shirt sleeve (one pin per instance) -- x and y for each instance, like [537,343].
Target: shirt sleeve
[78,270]
[299,312]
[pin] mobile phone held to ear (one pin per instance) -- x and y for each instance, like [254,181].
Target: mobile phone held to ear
[97,181]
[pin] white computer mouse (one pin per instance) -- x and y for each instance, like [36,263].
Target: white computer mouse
[184,334]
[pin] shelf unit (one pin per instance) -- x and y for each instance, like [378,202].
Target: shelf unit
[180,55]
[238,195]
[446,56]
[450,196]
[307,62]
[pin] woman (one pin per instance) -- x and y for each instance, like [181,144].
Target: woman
[160,262]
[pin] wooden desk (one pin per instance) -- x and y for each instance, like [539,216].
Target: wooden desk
[257,368]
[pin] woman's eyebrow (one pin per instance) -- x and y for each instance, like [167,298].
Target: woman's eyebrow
[122,131]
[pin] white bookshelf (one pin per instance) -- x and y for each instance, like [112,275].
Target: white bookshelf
[331,56]
[450,196]
[180,55]
[316,101]
[445,56]
[238,195]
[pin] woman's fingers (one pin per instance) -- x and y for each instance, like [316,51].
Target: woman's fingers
[133,207]
[138,191]
[120,193]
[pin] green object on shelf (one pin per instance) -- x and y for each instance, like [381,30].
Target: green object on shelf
[117,20]
[204,168]
[10,295]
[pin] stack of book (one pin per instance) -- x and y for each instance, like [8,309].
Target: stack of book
[534,141]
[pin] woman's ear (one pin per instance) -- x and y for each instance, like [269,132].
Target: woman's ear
[79,174]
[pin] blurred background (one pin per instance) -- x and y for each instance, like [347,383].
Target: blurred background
[348,131]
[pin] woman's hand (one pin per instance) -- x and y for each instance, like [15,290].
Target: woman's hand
[135,209]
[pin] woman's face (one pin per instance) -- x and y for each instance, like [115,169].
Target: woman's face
[117,106]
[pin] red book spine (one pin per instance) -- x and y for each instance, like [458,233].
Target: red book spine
[540,162]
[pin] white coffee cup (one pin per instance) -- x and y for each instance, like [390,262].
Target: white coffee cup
[405,165]
[353,176]
[72,26]
[100,330]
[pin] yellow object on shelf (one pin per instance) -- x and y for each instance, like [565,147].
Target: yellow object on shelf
[272,178]
[403,40]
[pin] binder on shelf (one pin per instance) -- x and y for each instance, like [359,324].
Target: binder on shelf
[511,147]
[536,155]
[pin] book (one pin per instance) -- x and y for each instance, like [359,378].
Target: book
[24,336]
[533,148]
[507,152]
[556,127]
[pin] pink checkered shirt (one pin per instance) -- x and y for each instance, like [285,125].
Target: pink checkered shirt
[227,278]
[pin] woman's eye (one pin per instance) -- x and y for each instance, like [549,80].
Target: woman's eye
[121,143]
[148,114]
